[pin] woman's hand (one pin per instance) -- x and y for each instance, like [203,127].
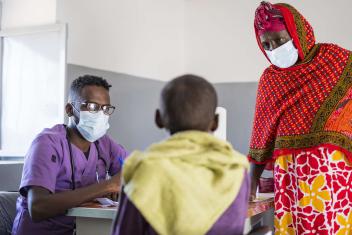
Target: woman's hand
[256,172]
[253,193]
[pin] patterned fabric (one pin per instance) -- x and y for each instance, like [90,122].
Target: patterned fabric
[268,18]
[302,106]
[299,28]
[313,192]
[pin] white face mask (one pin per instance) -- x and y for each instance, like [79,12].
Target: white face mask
[284,56]
[93,126]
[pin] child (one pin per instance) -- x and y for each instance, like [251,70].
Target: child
[191,183]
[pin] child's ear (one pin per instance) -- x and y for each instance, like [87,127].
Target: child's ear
[215,123]
[158,119]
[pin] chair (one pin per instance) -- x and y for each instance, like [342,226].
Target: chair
[7,211]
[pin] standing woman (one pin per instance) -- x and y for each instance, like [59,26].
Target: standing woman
[303,123]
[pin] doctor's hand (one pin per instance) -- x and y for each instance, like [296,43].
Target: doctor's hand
[113,196]
[114,183]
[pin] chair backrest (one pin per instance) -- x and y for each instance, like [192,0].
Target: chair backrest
[10,175]
[7,211]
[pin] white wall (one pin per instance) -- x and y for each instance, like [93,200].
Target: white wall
[21,13]
[329,20]
[160,39]
[220,41]
[138,37]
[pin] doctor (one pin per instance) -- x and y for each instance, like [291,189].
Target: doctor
[69,165]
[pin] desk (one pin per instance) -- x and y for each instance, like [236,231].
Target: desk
[264,203]
[92,219]
[260,212]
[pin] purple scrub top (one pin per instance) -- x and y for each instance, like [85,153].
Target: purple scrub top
[47,164]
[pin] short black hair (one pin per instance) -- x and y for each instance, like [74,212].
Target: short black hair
[188,102]
[87,80]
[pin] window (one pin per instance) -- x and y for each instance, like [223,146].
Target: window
[32,87]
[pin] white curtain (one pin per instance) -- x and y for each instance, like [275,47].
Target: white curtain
[33,88]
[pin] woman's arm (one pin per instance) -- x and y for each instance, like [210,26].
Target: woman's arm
[255,172]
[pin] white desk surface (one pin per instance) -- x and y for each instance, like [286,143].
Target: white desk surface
[90,212]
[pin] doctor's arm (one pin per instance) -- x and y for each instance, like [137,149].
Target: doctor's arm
[42,204]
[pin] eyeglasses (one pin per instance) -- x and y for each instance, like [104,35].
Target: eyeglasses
[93,107]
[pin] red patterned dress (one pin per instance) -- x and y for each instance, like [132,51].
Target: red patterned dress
[303,122]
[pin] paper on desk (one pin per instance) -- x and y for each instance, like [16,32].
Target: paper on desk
[260,199]
[106,202]
[263,197]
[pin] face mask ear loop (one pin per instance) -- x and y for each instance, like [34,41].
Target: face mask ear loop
[74,108]
[76,111]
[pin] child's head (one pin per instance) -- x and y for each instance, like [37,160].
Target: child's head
[187,103]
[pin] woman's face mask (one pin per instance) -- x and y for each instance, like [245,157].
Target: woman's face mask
[93,126]
[284,56]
